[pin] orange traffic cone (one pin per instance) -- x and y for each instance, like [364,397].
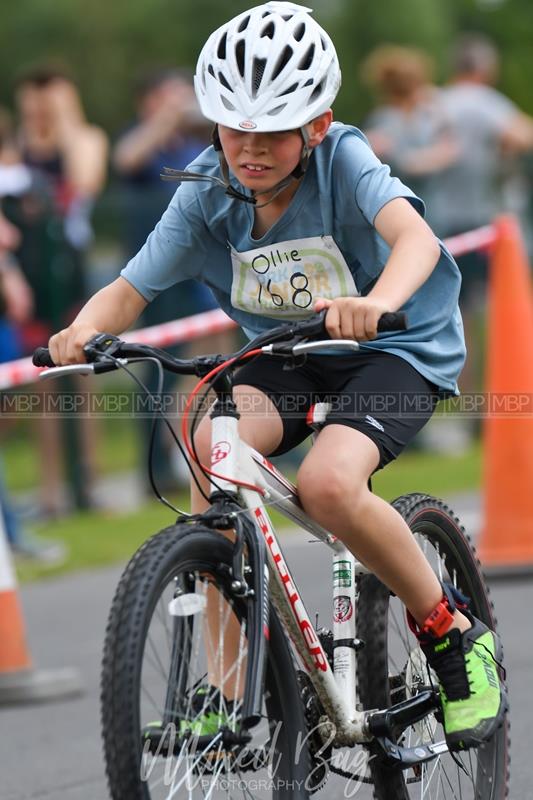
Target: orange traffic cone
[19,682]
[506,542]
[14,655]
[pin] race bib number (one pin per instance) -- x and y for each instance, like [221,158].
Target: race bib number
[285,279]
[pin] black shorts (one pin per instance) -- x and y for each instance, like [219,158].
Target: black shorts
[377,393]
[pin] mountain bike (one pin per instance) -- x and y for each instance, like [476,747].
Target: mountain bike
[215,682]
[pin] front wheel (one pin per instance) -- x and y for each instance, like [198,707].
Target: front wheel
[392,667]
[173,676]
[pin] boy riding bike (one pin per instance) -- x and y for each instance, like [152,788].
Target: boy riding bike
[287,214]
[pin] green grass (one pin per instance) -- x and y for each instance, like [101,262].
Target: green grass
[118,445]
[436,474]
[96,539]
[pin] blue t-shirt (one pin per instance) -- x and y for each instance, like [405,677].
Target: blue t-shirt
[324,245]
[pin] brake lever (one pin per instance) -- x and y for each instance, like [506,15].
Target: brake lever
[68,369]
[281,348]
[95,368]
[296,347]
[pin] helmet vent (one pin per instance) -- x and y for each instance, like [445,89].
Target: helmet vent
[299,32]
[317,91]
[275,111]
[257,73]
[229,105]
[289,90]
[244,24]
[307,59]
[223,81]
[221,51]
[269,31]
[283,60]
[211,70]
[240,49]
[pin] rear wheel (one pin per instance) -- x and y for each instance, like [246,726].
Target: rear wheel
[166,734]
[392,667]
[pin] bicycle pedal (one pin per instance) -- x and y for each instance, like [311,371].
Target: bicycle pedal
[388,722]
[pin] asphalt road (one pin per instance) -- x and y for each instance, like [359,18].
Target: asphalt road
[54,751]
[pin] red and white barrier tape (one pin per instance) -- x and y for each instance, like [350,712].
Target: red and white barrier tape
[16,373]
[479,239]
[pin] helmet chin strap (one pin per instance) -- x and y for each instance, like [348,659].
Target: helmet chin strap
[298,172]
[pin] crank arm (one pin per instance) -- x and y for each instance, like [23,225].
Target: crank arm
[165,741]
[386,725]
[406,757]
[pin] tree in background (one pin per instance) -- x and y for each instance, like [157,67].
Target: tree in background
[107,43]
[359,26]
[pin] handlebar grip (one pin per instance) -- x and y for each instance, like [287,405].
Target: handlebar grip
[392,321]
[316,325]
[41,358]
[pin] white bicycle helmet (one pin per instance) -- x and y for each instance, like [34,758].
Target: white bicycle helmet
[271,68]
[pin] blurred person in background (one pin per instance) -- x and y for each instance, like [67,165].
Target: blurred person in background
[16,297]
[169,131]
[489,128]
[491,132]
[410,129]
[16,306]
[67,158]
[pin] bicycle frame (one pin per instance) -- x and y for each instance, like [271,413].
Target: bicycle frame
[234,462]
[232,458]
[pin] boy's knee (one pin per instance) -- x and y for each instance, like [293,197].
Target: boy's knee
[322,491]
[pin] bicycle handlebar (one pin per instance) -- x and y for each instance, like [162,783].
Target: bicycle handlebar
[103,345]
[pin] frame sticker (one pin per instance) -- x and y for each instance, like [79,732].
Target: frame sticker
[342,574]
[342,608]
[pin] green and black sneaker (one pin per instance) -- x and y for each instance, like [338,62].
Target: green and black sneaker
[208,712]
[473,696]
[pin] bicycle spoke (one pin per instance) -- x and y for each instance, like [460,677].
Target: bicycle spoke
[149,641]
[434,768]
[163,616]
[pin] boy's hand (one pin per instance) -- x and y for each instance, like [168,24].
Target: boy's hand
[352,317]
[66,347]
